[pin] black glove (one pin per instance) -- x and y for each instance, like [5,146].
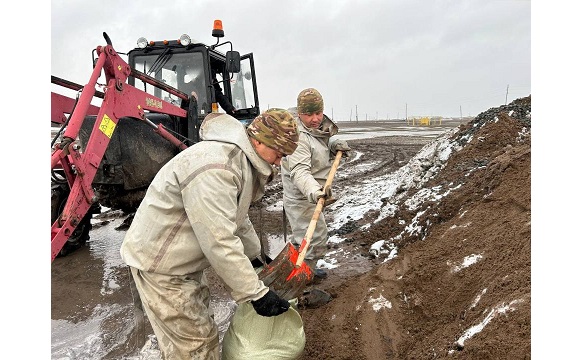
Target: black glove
[270,304]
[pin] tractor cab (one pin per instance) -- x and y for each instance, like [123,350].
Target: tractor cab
[195,67]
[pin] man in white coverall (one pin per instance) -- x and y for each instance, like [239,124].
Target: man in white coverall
[195,215]
[305,172]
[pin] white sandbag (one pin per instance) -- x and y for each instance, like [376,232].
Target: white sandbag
[251,336]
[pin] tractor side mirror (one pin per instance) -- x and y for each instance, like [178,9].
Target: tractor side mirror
[232,59]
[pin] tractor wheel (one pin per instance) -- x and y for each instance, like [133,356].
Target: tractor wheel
[59,194]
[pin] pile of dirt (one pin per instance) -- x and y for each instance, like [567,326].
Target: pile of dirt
[459,286]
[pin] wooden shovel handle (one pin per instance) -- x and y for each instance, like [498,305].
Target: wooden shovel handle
[320,203]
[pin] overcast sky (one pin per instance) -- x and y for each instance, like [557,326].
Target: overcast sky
[388,58]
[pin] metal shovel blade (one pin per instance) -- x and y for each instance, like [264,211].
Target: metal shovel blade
[283,276]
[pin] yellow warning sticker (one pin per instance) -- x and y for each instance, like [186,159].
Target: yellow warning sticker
[107,126]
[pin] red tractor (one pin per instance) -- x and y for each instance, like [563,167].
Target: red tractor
[151,108]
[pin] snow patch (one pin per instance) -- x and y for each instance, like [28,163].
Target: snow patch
[379,303]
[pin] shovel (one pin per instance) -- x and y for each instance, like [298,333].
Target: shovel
[288,274]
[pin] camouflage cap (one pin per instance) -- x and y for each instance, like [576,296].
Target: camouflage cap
[309,101]
[277,129]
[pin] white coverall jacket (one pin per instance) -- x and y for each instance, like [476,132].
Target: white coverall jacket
[195,212]
[304,172]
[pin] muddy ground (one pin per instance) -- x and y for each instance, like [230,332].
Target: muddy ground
[455,280]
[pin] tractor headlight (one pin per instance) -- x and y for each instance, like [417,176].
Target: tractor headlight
[185,40]
[142,42]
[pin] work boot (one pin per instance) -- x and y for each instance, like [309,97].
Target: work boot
[314,299]
[319,274]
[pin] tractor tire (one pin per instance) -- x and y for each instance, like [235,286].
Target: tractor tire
[59,194]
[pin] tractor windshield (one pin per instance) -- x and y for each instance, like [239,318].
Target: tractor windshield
[182,71]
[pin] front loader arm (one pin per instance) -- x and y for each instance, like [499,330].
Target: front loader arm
[60,105]
[120,100]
